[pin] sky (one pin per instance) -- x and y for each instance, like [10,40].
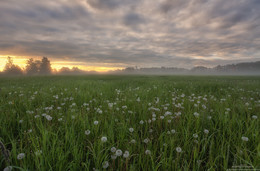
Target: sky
[106,35]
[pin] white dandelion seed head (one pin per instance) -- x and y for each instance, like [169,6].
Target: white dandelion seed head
[113,157]
[119,152]
[87,132]
[113,149]
[146,140]
[254,117]
[105,164]
[147,152]
[206,131]
[178,149]
[131,130]
[245,138]
[173,131]
[126,154]
[195,135]
[104,139]
[8,168]
[133,141]
[141,122]
[95,122]
[20,156]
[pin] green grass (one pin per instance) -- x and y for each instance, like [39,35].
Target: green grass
[229,101]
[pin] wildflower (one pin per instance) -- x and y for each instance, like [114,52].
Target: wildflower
[20,156]
[105,164]
[119,152]
[110,105]
[113,149]
[132,141]
[141,122]
[95,122]
[60,119]
[178,149]
[48,117]
[8,168]
[131,130]
[146,140]
[87,132]
[161,117]
[20,121]
[113,157]
[245,138]
[147,152]
[72,117]
[126,154]
[36,116]
[38,152]
[206,131]
[209,117]
[196,114]
[195,135]
[254,117]
[104,139]
[173,131]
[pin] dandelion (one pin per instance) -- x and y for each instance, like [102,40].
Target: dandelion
[38,152]
[20,121]
[195,135]
[95,122]
[161,117]
[178,149]
[48,117]
[126,154]
[131,130]
[141,122]
[105,164]
[146,140]
[196,114]
[60,119]
[147,152]
[133,141]
[110,105]
[20,156]
[119,152]
[209,117]
[87,132]
[113,149]
[254,117]
[8,168]
[104,139]
[72,117]
[206,131]
[245,138]
[113,157]
[173,131]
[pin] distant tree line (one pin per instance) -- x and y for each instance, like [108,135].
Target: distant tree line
[33,67]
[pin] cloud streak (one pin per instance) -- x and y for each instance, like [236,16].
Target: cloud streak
[128,32]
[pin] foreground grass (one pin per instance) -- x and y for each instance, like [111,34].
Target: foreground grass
[187,123]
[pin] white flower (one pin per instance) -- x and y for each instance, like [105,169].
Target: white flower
[113,157]
[38,152]
[119,152]
[126,154]
[8,168]
[60,119]
[72,117]
[245,138]
[104,139]
[206,131]
[20,121]
[87,132]
[95,122]
[48,117]
[147,152]
[161,117]
[178,149]
[196,114]
[110,105]
[173,131]
[146,140]
[141,122]
[105,164]
[209,117]
[113,149]
[131,130]
[132,141]
[195,135]
[254,117]
[20,156]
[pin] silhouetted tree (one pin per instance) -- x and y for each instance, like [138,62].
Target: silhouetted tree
[45,67]
[11,68]
[32,68]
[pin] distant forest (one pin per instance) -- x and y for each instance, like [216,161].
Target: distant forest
[43,67]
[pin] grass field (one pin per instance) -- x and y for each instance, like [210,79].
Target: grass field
[129,123]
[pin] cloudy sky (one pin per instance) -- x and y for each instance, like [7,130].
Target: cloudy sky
[111,34]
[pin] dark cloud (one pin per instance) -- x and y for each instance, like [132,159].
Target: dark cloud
[148,33]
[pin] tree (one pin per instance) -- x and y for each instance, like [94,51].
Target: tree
[31,67]
[45,66]
[11,68]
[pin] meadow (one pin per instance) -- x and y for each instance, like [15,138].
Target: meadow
[129,122]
